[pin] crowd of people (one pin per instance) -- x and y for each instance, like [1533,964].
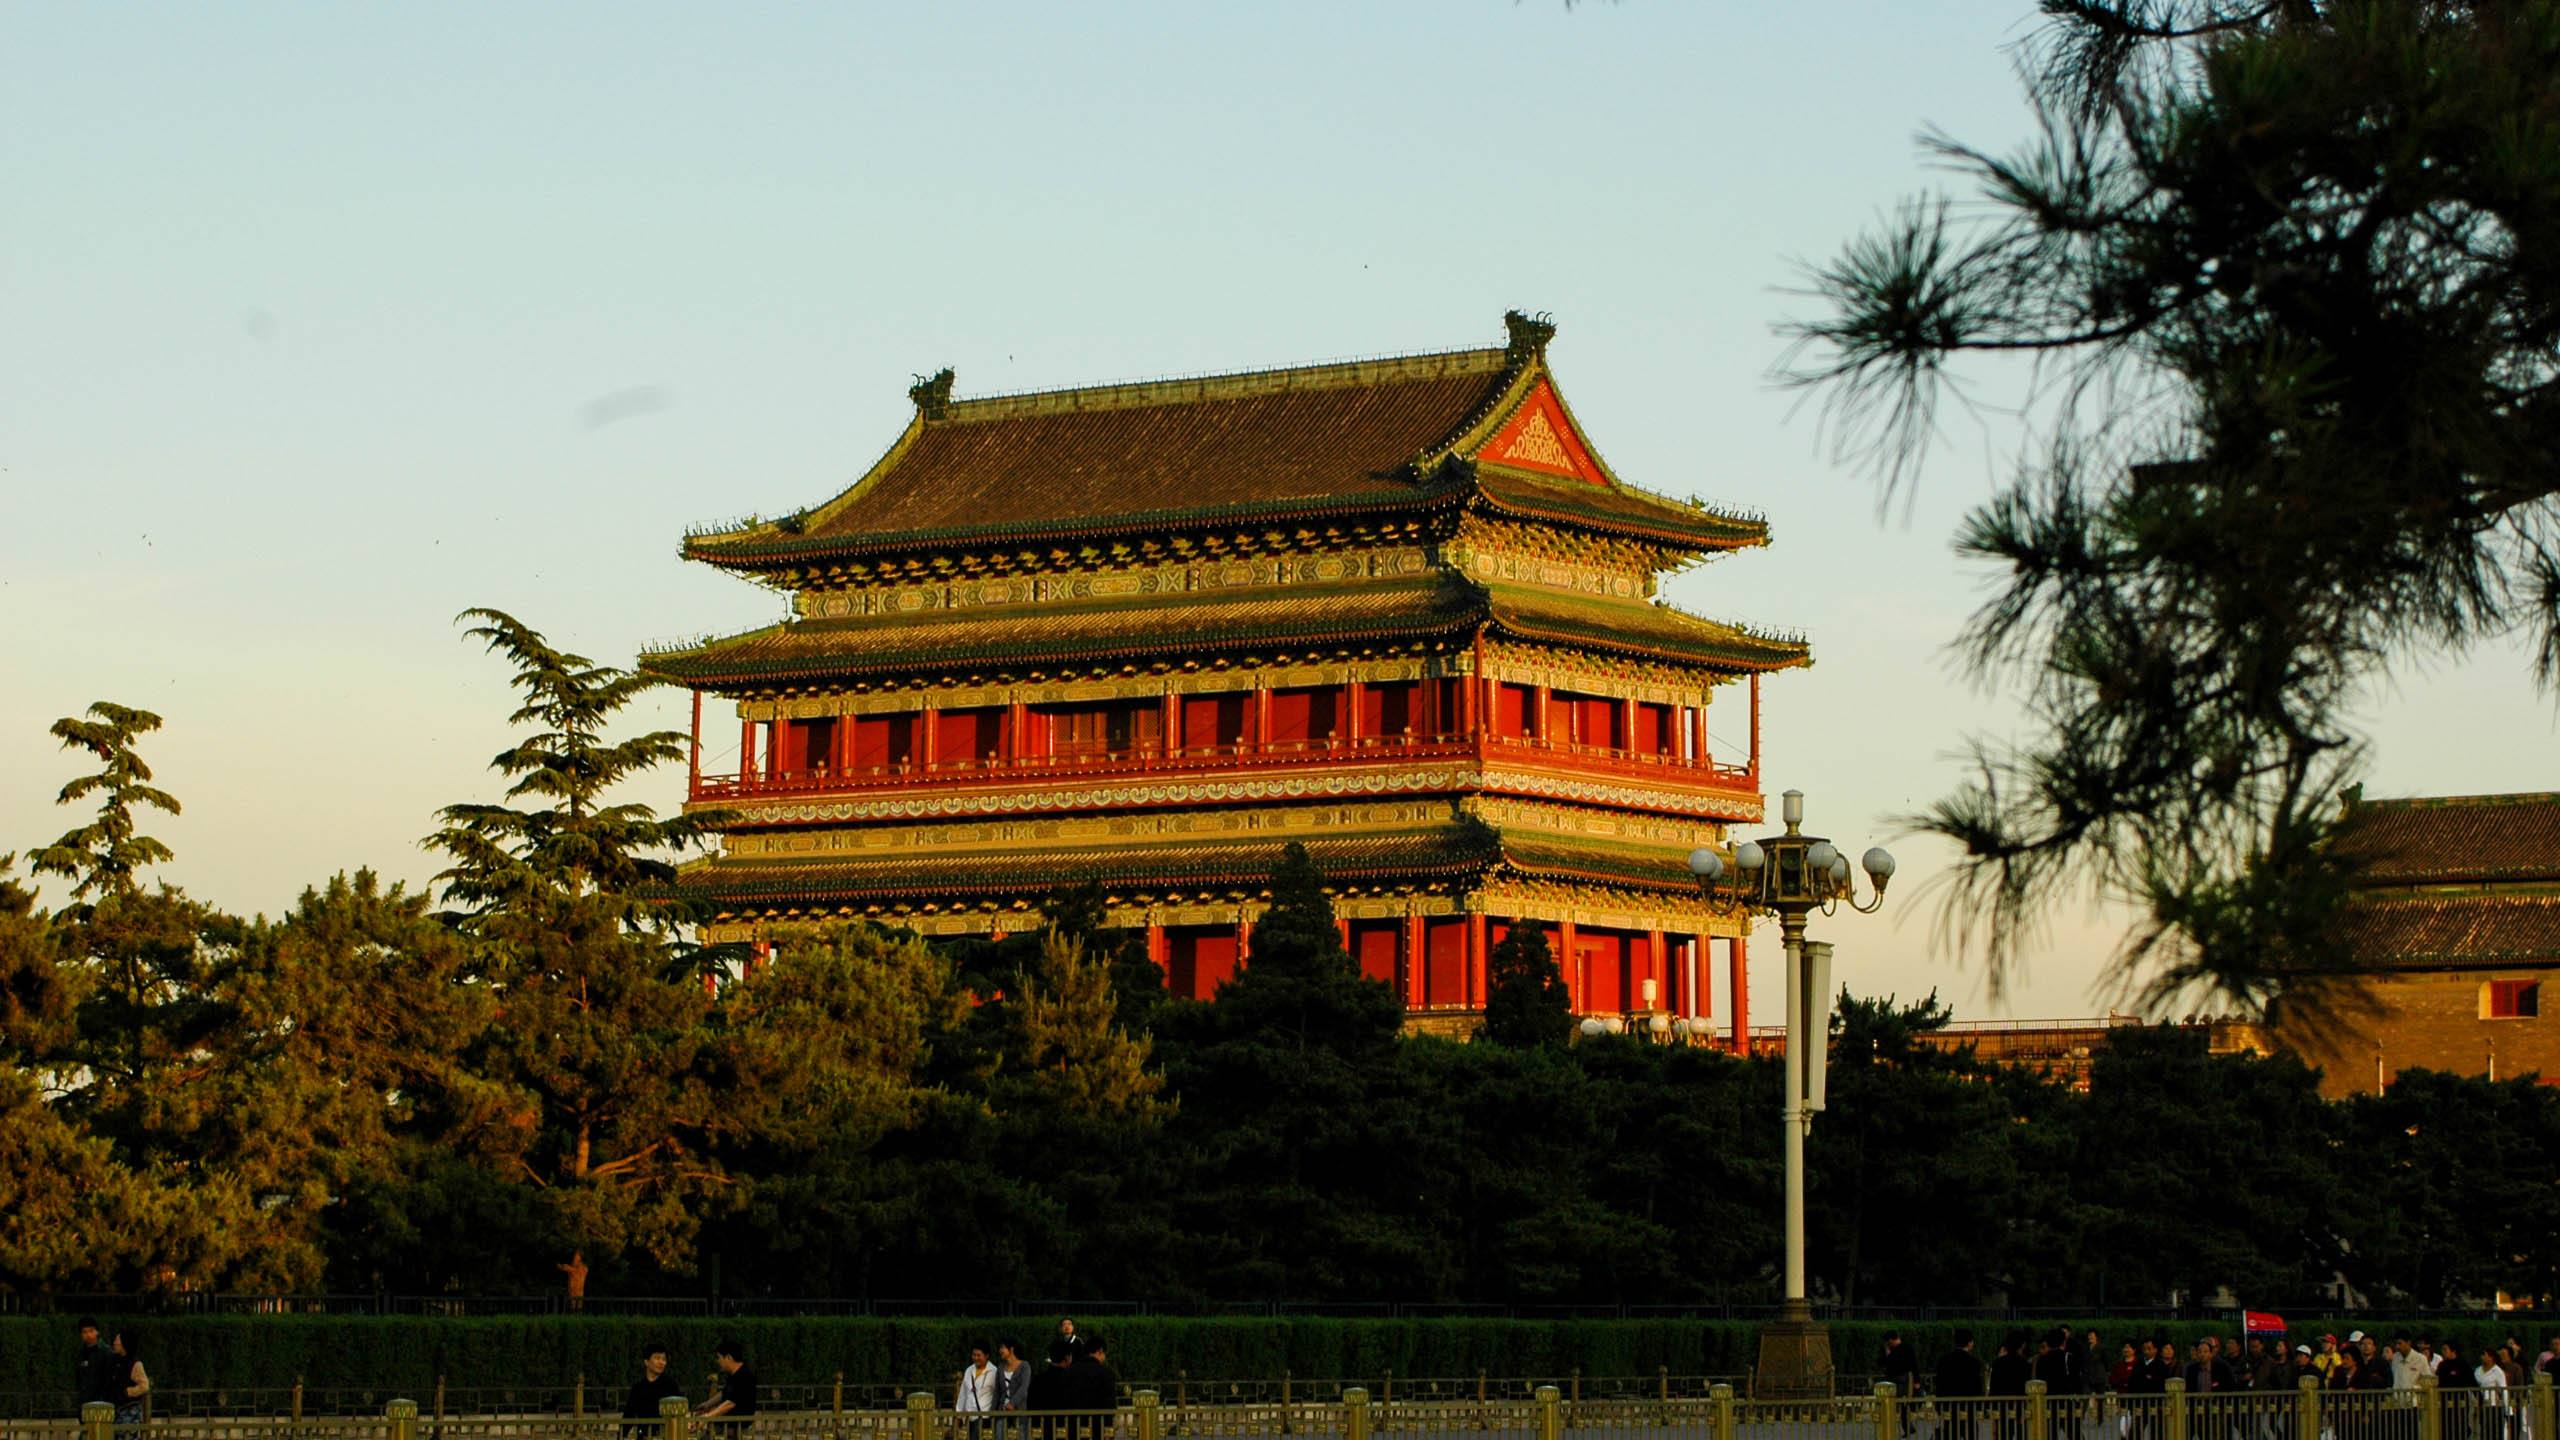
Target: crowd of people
[2070,1364]
[1078,1376]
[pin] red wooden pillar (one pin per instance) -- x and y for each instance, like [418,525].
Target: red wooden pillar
[1702,977]
[1477,952]
[1014,716]
[746,752]
[1351,712]
[1172,723]
[1755,725]
[1569,958]
[1156,952]
[693,755]
[1410,981]
[1343,928]
[1244,938]
[929,744]
[1261,717]
[1664,997]
[1626,725]
[1540,722]
[1738,951]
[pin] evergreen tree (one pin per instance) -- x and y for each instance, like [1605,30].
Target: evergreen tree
[1076,1060]
[1526,1000]
[103,857]
[2284,266]
[599,1029]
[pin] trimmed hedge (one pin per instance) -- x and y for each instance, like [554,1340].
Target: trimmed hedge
[203,1352]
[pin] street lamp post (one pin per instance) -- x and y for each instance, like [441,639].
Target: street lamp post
[1791,876]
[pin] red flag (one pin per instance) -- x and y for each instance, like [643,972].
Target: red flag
[2259,1322]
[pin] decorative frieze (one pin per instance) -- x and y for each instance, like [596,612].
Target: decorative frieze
[1651,681]
[1061,796]
[1636,827]
[1604,908]
[1135,828]
[1262,571]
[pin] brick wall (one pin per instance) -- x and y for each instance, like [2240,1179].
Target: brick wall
[2423,1020]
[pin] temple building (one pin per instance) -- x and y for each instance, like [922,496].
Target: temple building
[1148,634]
[2455,924]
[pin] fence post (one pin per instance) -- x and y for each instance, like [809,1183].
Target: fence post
[838,1401]
[1550,1418]
[1480,1382]
[672,1414]
[1720,1398]
[297,1398]
[2035,1409]
[439,1399]
[1662,1376]
[1885,1427]
[2430,1409]
[1577,1384]
[1182,1388]
[1355,1414]
[1389,1397]
[919,1415]
[1145,1402]
[2176,1405]
[2306,1413]
[2541,1401]
[403,1415]
[97,1420]
[578,1398]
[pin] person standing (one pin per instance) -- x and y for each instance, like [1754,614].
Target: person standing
[1959,1384]
[737,1397]
[1094,1388]
[89,1366]
[128,1384]
[654,1385]
[1052,1390]
[976,1393]
[1013,1386]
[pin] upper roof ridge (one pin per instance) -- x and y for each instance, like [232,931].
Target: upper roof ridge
[1229,384]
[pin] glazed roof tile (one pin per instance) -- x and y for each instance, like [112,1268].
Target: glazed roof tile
[1311,441]
[2457,839]
[1454,849]
[2460,930]
[1081,631]
[1209,621]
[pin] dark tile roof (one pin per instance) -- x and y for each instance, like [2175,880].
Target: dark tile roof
[1211,621]
[1315,441]
[1640,628]
[2458,930]
[1081,631]
[748,882]
[2454,840]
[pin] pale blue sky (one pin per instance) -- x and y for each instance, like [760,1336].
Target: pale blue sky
[320,323]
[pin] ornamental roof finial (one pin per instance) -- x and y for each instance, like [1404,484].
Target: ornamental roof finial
[1529,334]
[932,394]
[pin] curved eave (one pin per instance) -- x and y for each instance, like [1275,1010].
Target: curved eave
[1013,874]
[1540,498]
[709,667]
[774,550]
[1724,647]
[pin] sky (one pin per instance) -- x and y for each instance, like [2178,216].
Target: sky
[321,323]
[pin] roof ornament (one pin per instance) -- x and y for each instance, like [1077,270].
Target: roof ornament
[932,394]
[1529,334]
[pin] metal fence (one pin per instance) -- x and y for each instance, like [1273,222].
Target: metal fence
[1721,1412]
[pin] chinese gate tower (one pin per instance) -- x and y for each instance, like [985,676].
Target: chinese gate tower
[1148,634]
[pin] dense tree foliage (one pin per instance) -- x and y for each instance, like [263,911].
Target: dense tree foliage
[2286,269]
[544,1083]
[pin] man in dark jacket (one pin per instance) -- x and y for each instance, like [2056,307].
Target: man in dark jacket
[91,1365]
[1053,1389]
[654,1385]
[1094,1385]
[1958,1385]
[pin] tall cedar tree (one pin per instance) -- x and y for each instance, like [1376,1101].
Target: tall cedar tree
[1526,1001]
[598,1028]
[2289,271]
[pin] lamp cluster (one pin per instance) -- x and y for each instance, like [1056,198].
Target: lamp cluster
[1793,871]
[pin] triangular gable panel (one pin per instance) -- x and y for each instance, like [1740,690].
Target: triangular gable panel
[1539,437]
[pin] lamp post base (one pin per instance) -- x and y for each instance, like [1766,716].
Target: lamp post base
[1795,1358]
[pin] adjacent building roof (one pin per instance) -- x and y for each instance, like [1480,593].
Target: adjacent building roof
[1372,437]
[2454,840]
[2455,932]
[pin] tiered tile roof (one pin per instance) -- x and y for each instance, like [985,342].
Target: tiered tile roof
[2454,881]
